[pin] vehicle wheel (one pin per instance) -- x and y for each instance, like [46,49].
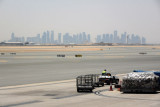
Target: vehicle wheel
[78,90]
[91,90]
[117,81]
[102,84]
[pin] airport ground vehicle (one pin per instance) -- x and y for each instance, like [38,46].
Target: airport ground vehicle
[108,78]
[88,82]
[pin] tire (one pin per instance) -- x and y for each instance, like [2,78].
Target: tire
[91,90]
[97,84]
[78,90]
[117,81]
[102,84]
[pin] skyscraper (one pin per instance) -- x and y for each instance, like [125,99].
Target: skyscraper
[48,38]
[52,36]
[66,38]
[44,38]
[111,38]
[98,39]
[38,38]
[59,38]
[12,37]
[107,38]
[115,37]
[89,38]
[84,38]
[143,40]
[80,38]
[124,38]
[104,38]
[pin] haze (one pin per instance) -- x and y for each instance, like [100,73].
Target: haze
[30,17]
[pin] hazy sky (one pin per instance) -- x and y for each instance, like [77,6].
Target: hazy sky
[29,17]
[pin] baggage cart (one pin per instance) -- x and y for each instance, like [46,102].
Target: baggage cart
[85,83]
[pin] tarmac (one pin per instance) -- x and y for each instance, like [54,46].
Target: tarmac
[38,67]
[41,79]
[64,94]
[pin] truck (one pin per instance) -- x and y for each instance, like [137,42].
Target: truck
[108,78]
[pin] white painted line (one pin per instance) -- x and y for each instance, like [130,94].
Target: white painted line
[36,84]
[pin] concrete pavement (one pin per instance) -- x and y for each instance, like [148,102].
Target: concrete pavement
[63,93]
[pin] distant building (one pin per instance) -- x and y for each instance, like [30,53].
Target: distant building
[81,38]
[84,38]
[115,37]
[124,38]
[111,38]
[98,39]
[44,38]
[16,39]
[48,38]
[143,40]
[59,38]
[52,37]
[11,44]
[89,38]
[12,37]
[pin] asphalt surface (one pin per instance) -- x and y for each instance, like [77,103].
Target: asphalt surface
[63,93]
[38,67]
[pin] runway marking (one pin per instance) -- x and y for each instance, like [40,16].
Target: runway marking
[35,84]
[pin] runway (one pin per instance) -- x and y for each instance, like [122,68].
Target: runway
[38,67]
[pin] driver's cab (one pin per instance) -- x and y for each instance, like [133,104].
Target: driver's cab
[107,74]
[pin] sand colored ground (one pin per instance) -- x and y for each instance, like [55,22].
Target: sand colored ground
[60,48]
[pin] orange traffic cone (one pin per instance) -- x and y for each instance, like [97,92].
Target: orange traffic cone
[119,89]
[111,87]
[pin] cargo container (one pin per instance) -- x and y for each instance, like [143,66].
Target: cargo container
[140,82]
[155,72]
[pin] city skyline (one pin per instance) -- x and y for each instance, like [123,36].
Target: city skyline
[49,37]
[27,17]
